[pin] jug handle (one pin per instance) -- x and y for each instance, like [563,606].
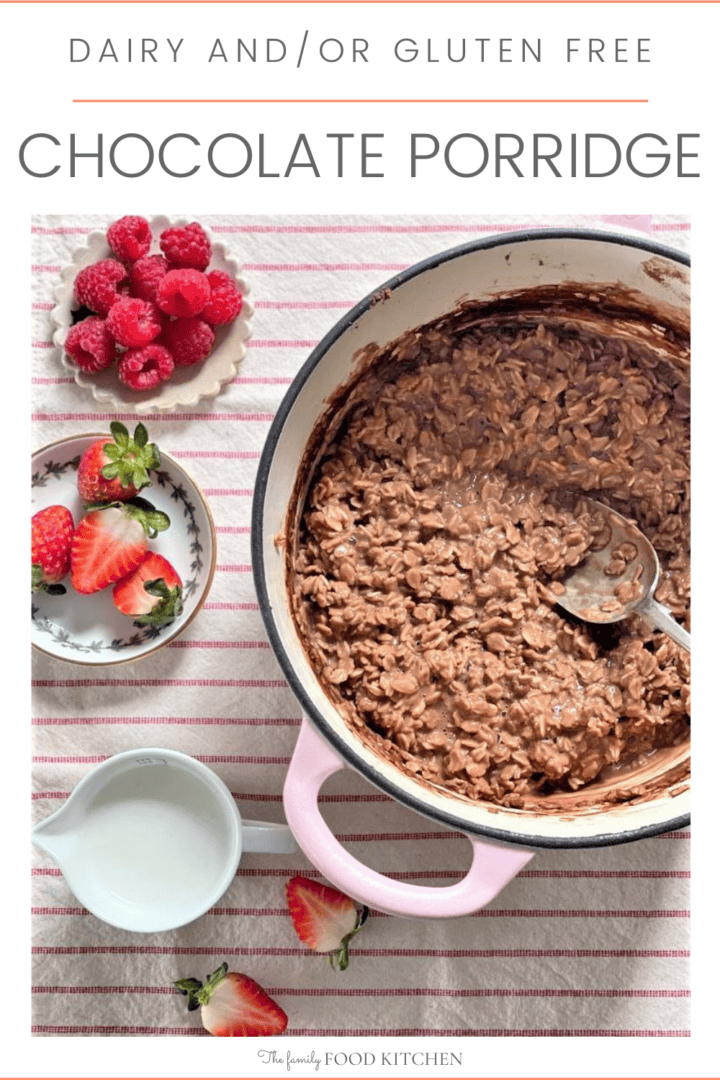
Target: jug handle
[493,865]
[267,837]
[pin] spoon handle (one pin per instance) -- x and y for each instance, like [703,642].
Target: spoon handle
[659,618]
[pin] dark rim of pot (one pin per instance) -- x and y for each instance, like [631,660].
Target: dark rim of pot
[347,752]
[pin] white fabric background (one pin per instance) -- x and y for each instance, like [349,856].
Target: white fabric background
[581,943]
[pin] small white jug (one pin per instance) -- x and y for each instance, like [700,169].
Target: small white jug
[150,840]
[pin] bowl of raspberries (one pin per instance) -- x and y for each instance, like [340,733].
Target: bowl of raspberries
[123,547]
[152,315]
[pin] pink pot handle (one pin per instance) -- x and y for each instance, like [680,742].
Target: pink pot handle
[312,763]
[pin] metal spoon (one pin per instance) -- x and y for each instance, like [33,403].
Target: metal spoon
[600,590]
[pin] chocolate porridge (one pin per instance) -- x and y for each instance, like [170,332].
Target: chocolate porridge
[438,526]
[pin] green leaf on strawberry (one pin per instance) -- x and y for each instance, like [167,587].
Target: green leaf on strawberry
[153,521]
[130,458]
[169,607]
[38,583]
[151,594]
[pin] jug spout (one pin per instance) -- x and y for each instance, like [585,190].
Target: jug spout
[53,834]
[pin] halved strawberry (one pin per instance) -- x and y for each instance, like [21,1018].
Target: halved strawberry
[111,541]
[151,594]
[324,919]
[233,1005]
[115,471]
[51,536]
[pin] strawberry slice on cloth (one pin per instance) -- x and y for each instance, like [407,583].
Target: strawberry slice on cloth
[233,1005]
[325,919]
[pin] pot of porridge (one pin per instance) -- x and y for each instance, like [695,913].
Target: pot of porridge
[424,488]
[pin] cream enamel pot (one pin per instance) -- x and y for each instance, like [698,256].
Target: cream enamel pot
[503,839]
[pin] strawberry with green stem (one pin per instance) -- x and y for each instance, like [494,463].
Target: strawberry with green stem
[233,1005]
[111,541]
[150,594]
[52,531]
[116,471]
[325,919]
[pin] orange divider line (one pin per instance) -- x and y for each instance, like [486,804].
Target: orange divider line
[361,3]
[359,101]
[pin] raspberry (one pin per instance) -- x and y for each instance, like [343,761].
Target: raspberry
[189,341]
[145,368]
[225,301]
[134,322]
[96,286]
[145,276]
[186,246]
[130,238]
[90,344]
[183,293]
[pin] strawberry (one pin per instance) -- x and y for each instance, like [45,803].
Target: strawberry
[151,594]
[324,919]
[116,471]
[51,536]
[233,1005]
[111,541]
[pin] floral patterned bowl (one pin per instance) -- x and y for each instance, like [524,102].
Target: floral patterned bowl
[89,629]
[187,385]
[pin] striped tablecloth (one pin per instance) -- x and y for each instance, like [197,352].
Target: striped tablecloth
[580,943]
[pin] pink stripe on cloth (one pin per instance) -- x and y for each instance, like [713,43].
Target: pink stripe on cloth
[404,875]
[113,1029]
[485,913]
[254,343]
[253,721]
[604,875]
[443,875]
[359,951]
[66,230]
[199,1032]
[231,455]
[269,381]
[376,992]
[282,267]
[486,1032]
[258,684]
[185,644]
[92,759]
[303,305]
[282,343]
[380,229]
[244,418]
[324,267]
[219,605]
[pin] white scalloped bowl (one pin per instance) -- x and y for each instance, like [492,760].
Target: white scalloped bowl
[187,385]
